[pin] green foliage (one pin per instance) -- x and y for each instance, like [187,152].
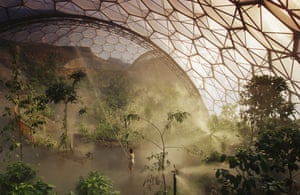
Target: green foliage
[265,169]
[269,165]
[160,163]
[47,141]
[82,111]
[131,117]
[94,184]
[27,107]
[221,124]
[252,175]
[178,116]
[105,131]
[215,157]
[83,129]
[265,97]
[60,91]
[117,92]
[34,107]
[65,91]
[169,192]
[282,147]
[64,141]
[20,178]
[227,122]
[224,131]
[76,77]
[19,172]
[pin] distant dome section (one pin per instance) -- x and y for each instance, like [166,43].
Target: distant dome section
[218,44]
[104,40]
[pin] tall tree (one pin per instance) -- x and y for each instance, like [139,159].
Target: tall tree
[161,162]
[66,92]
[27,105]
[266,97]
[270,164]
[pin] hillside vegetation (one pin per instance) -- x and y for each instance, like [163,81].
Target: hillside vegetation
[151,87]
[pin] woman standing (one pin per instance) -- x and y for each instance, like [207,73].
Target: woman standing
[131,160]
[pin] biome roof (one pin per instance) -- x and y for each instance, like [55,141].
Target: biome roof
[218,44]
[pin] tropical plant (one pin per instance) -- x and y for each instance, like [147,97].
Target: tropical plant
[281,145]
[95,183]
[265,97]
[252,175]
[20,178]
[269,164]
[66,92]
[160,161]
[27,109]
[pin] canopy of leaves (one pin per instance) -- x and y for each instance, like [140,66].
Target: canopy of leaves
[61,92]
[77,77]
[266,96]
[178,116]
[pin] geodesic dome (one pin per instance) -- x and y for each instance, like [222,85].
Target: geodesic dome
[218,44]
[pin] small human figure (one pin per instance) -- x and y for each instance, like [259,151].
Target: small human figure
[131,160]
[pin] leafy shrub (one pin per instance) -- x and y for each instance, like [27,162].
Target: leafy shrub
[105,131]
[95,183]
[20,178]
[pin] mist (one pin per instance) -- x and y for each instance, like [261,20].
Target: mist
[157,86]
